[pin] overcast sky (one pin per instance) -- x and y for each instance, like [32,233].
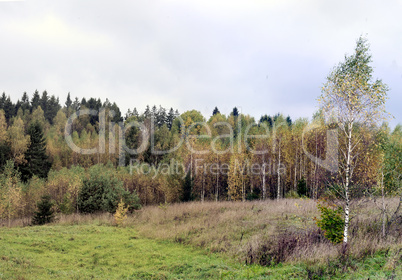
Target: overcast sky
[262,56]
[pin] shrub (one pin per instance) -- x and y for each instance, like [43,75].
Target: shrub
[66,206]
[291,194]
[121,214]
[280,248]
[131,200]
[45,213]
[331,222]
[302,187]
[102,190]
[333,192]
[252,196]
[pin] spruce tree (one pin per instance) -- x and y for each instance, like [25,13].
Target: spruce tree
[53,106]
[235,112]
[302,187]
[45,213]
[68,101]
[35,101]
[135,113]
[84,102]
[289,121]
[44,102]
[170,118]
[25,105]
[216,111]
[147,112]
[161,117]
[187,188]
[5,153]
[9,108]
[3,100]
[37,161]
[76,105]
[117,113]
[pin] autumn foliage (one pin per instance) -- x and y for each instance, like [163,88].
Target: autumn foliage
[170,157]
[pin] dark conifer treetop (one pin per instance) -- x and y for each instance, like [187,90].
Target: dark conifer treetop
[37,162]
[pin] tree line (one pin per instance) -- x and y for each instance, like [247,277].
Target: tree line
[37,145]
[222,157]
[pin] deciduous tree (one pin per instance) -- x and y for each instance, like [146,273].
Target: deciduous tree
[356,100]
[10,192]
[18,141]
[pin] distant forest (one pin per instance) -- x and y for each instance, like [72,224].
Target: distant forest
[228,168]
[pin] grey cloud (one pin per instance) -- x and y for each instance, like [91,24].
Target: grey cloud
[263,56]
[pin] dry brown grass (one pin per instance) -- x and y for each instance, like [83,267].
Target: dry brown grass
[223,226]
[256,232]
[61,219]
[262,232]
[266,232]
[79,219]
[20,222]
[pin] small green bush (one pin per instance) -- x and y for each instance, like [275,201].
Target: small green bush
[45,213]
[254,194]
[291,194]
[66,206]
[333,192]
[331,222]
[302,187]
[102,191]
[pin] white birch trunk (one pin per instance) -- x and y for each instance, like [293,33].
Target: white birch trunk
[217,181]
[243,189]
[295,179]
[264,188]
[203,188]
[347,180]
[383,205]
[217,187]
[279,172]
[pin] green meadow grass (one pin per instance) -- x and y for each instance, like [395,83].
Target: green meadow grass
[106,252]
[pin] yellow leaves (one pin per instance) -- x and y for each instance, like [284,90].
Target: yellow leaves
[3,127]
[19,141]
[11,200]
[237,176]
[39,116]
[120,215]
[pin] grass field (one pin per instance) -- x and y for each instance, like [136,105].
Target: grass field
[188,241]
[106,252]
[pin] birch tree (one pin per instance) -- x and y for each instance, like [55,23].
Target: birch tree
[389,173]
[3,127]
[4,143]
[279,141]
[353,99]
[19,141]
[237,177]
[10,193]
